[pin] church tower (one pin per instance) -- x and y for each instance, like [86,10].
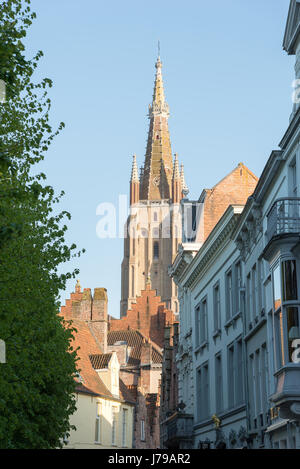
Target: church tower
[153,228]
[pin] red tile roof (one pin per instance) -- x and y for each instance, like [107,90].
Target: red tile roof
[91,382]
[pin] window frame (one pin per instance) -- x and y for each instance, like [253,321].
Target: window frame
[217,306]
[229,293]
[98,423]
[114,425]
[282,348]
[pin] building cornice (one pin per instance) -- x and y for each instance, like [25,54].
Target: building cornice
[186,253]
[291,130]
[290,35]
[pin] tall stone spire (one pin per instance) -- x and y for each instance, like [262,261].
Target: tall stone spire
[158,168]
[134,183]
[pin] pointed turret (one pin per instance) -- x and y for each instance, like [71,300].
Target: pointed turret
[176,174]
[134,183]
[184,187]
[158,169]
[176,182]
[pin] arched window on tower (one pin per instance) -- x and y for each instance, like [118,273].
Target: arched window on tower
[155,250]
[132,281]
[133,242]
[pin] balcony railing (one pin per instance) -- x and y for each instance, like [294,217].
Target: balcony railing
[284,217]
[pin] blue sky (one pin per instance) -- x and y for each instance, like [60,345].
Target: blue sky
[227,82]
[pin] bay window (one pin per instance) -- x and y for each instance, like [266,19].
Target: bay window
[285,311]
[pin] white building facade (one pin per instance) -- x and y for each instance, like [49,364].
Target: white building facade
[268,237]
[211,357]
[239,349]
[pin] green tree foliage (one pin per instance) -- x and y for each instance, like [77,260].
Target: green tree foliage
[37,380]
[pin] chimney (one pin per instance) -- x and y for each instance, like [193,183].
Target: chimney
[146,354]
[99,317]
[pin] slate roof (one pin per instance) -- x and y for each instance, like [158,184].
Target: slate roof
[100,361]
[134,340]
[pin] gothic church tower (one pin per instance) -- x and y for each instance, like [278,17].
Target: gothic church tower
[153,228]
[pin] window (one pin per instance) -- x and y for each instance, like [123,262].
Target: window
[198,325]
[285,311]
[260,303]
[239,382]
[264,377]
[132,281]
[228,285]
[133,242]
[217,309]
[219,383]
[156,250]
[235,374]
[293,178]
[252,386]
[114,426]
[238,285]
[203,400]
[155,216]
[254,291]
[231,370]
[98,422]
[289,280]
[259,386]
[249,297]
[124,427]
[143,430]
[201,322]
[203,331]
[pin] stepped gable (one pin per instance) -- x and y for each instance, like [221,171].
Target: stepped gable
[148,315]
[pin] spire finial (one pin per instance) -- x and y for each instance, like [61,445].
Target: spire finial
[158,64]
